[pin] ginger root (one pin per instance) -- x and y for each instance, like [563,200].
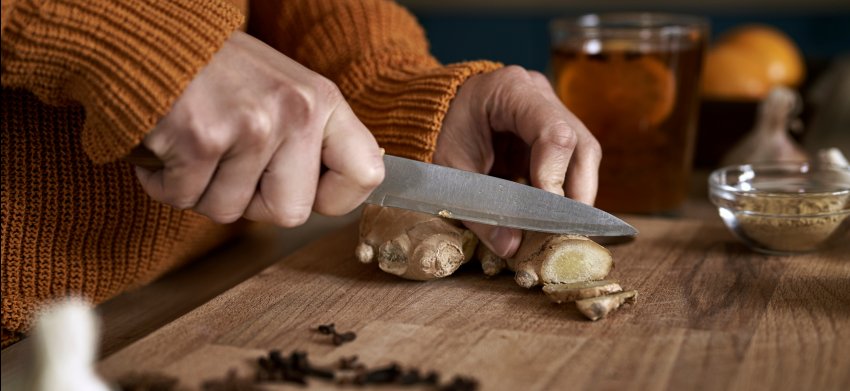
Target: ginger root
[413,245]
[596,308]
[565,293]
[419,246]
[551,259]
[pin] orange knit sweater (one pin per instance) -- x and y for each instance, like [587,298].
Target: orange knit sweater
[84,80]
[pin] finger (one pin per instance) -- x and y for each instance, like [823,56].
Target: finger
[182,181]
[582,174]
[288,184]
[502,241]
[542,125]
[354,161]
[236,178]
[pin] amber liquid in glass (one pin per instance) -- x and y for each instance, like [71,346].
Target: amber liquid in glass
[640,101]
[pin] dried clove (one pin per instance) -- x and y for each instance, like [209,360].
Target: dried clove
[339,339]
[350,363]
[295,368]
[432,378]
[230,383]
[388,374]
[327,329]
[410,377]
[301,364]
[460,383]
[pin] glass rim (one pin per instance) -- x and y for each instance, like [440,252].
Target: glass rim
[716,179]
[628,21]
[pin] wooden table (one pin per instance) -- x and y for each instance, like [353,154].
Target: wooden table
[711,315]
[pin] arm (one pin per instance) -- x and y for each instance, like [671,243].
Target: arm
[124,61]
[415,107]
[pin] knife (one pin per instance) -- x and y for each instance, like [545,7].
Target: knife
[469,196]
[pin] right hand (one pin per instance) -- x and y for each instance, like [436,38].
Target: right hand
[248,136]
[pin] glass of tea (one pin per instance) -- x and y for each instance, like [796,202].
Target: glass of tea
[632,79]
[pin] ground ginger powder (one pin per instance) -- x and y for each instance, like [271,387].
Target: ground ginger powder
[792,222]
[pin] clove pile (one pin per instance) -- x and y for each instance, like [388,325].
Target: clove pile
[296,368]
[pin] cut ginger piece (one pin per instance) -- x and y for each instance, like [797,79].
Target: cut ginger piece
[565,293]
[618,92]
[596,308]
[557,259]
[413,245]
[551,259]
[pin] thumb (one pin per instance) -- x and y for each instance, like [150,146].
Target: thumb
[503,241]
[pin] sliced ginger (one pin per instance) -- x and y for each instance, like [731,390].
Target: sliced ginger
[558,259]
[419,246]
[565,293]
[596,308]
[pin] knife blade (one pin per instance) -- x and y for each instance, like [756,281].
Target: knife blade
[468,196]
[479,198]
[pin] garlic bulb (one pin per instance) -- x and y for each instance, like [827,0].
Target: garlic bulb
[769,141]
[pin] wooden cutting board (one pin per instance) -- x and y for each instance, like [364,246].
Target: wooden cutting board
[711,315]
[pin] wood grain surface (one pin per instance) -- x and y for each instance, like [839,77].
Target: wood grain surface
[711,315]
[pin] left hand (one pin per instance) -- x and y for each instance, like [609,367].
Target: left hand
[564,155]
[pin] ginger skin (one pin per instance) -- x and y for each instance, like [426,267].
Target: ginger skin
[565,293]
[413,245]
[420,246]
[596,308]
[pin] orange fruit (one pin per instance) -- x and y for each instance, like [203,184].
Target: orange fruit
[619,93]
[748,61]
[780,56]
[728,74]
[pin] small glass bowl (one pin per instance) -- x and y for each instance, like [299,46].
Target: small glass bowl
[783,208]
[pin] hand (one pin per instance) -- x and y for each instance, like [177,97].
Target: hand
[564,155]
[247,138]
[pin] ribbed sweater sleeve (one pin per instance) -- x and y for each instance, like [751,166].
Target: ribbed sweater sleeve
[124,61]
[378,55]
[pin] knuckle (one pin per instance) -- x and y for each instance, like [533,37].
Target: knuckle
[292,217]
[180,201]
[308,102]
[224,217]
[560,135]
[538,78]
[516,72]
[594,149]
[371,176]
[258,126]
[327,90]
[206,144]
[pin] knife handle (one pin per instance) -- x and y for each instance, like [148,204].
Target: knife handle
[143,157]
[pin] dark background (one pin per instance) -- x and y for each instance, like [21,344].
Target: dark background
[517,32]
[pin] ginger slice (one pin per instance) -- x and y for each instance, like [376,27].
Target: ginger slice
[564,293]
[596,308]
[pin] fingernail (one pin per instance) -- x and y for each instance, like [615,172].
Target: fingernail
[504,241]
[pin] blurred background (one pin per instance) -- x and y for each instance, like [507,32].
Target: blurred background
[516,32]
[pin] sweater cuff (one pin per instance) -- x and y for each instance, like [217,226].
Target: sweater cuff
[125,61]
[404,107]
